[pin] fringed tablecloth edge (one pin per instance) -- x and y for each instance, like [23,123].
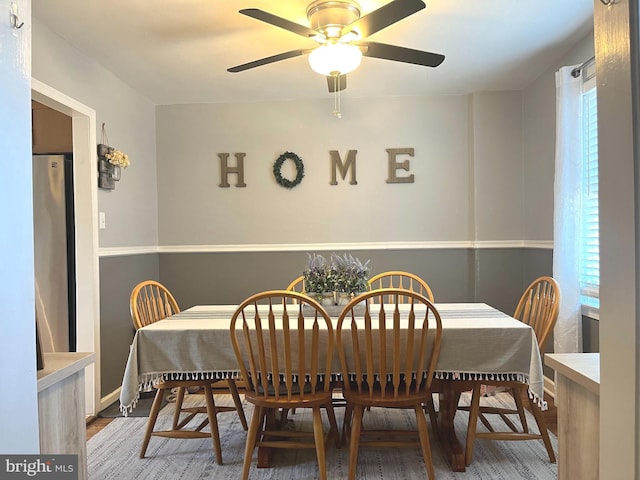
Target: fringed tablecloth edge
[148,381]
[511,377]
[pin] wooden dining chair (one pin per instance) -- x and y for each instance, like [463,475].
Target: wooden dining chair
[388,360]
[284,341]
[297,285]
[151,302]
[408,281]
[401,279]
[538,307]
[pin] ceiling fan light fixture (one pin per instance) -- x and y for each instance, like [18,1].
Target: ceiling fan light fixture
[350,36]
[335,59]
[331,16]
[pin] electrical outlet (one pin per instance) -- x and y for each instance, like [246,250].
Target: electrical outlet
[103,221]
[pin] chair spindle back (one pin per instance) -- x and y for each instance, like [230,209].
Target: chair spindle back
[395,347]
[151,301]
[283,341]
[539,307]
[400,279]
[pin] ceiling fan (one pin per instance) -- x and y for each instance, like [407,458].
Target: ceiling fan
[339,29]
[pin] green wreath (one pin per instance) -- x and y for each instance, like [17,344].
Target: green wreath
[285,182]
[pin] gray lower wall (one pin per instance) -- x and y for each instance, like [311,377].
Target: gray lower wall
[228,278]
[493,276]
[590,334]
[118,276]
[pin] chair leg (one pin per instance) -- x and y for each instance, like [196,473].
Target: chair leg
[153,416]
[537,414]
[474,412]
[346,423]
[213,423]
[318,435]
[354,440]
[284,416]
[237,402]
[430,408]
[176,413]
[423,432]
[517,398]
[333,424]
[252,436]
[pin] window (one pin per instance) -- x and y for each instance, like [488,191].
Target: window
[590,235]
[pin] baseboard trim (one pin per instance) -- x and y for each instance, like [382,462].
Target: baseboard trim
[110,398]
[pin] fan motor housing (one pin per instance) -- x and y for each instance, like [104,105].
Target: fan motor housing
[329,17]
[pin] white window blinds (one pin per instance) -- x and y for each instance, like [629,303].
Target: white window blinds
[590,237]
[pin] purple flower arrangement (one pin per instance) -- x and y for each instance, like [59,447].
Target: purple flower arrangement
[342,273]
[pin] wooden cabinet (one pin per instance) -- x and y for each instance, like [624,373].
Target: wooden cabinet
[50,130]
[578,403]
[61,406]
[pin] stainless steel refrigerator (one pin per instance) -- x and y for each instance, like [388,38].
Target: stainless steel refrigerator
[54,252]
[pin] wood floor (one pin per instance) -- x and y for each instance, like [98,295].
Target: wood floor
[550,416]
[96,424]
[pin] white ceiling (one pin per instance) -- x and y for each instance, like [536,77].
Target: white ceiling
[177,51]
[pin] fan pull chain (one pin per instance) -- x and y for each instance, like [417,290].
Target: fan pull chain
[336,98]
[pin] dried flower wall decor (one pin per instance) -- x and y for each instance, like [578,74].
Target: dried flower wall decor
[110,163]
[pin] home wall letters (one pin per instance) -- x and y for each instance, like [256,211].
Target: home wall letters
[336,164]
[394,166]
[350,164]
[225,169]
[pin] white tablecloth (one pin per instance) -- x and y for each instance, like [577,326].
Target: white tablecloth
[478,342]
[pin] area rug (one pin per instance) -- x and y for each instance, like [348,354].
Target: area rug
[113,453]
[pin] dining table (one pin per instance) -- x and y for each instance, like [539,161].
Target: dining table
[479,342]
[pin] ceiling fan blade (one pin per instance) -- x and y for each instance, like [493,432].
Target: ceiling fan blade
[340,82]
[279,22]
[384,16]
[400,54]
[267,60]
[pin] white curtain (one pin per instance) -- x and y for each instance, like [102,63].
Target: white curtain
[567,206]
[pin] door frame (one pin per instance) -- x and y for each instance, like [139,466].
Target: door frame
[85,180]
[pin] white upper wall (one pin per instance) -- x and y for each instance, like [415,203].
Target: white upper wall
[131,209]
[467,168]
[194,210]
[496,162]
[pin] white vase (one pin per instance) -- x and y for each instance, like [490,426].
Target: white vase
[342,298]
[327,299]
